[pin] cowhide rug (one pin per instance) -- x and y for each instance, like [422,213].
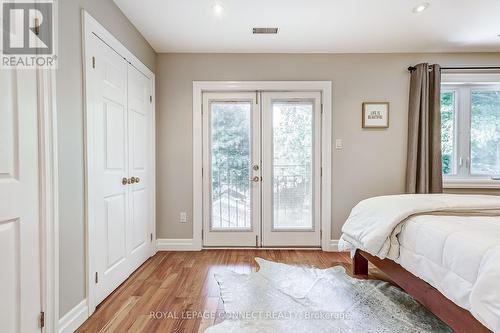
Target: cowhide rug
[284,298]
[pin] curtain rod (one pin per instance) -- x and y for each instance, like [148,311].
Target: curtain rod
[412,68]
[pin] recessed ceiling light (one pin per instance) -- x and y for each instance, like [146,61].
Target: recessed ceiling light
[218,9]
[420,8]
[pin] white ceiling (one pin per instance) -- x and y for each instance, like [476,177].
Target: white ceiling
[317,26]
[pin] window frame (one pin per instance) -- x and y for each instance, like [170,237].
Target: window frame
[461,176]
[454,164]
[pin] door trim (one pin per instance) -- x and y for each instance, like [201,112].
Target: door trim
[92,27]
[49,197]
[325,87]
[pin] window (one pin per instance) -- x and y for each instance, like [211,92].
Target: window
[485,132]
[470,132]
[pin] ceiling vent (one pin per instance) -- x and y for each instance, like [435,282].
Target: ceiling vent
[265,30]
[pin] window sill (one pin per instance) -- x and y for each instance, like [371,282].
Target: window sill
[472,183]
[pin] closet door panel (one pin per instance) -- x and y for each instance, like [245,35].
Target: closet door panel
[108,196]
[140,117]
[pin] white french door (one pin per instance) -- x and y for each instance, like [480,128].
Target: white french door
[261,179]
[291,133]
[231,158]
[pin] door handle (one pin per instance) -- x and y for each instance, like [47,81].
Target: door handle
[131,180]
[255,179]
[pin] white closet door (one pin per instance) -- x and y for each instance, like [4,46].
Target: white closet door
[108,156]
[20,301]
[119,156]
[139,157]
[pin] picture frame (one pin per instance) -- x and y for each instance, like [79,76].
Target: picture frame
[375,115]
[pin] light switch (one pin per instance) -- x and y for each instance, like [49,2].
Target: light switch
[339,144]
[183,217]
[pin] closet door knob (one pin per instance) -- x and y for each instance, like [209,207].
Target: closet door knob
[132,180]
[124,181]
[137,179]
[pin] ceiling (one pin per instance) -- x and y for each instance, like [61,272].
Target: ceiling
[317,26]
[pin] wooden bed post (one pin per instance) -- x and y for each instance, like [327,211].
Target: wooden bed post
[359,264]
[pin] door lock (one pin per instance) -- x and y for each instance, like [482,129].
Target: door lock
[256,167]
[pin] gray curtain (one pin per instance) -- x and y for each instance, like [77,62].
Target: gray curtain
[423,165]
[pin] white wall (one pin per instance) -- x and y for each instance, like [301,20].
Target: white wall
[372,161]
[70,128]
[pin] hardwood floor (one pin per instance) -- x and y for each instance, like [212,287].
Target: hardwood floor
[179,287]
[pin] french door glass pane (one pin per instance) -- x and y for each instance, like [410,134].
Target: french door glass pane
[485,132]
[231,158]
[292,165]
[448,131]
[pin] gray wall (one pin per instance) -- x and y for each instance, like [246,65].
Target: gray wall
[70,131]
[372,161]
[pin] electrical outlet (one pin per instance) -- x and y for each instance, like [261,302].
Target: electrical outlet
[183,217]
[339,144]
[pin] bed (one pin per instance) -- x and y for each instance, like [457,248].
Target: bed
[442,249]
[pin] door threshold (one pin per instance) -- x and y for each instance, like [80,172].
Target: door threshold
[304,248]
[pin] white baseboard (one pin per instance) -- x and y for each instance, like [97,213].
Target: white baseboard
[332,246]
[74,318]
[167,244]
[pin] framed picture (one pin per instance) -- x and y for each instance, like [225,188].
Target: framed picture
[375,115]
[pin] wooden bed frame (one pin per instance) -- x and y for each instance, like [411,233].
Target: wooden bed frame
[459,319]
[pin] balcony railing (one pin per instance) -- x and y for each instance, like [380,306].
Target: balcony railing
[231,195]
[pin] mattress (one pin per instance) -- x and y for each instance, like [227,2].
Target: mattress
[459,256]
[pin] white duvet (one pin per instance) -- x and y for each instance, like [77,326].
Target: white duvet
[459,256]
[374,223]
[450,241]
